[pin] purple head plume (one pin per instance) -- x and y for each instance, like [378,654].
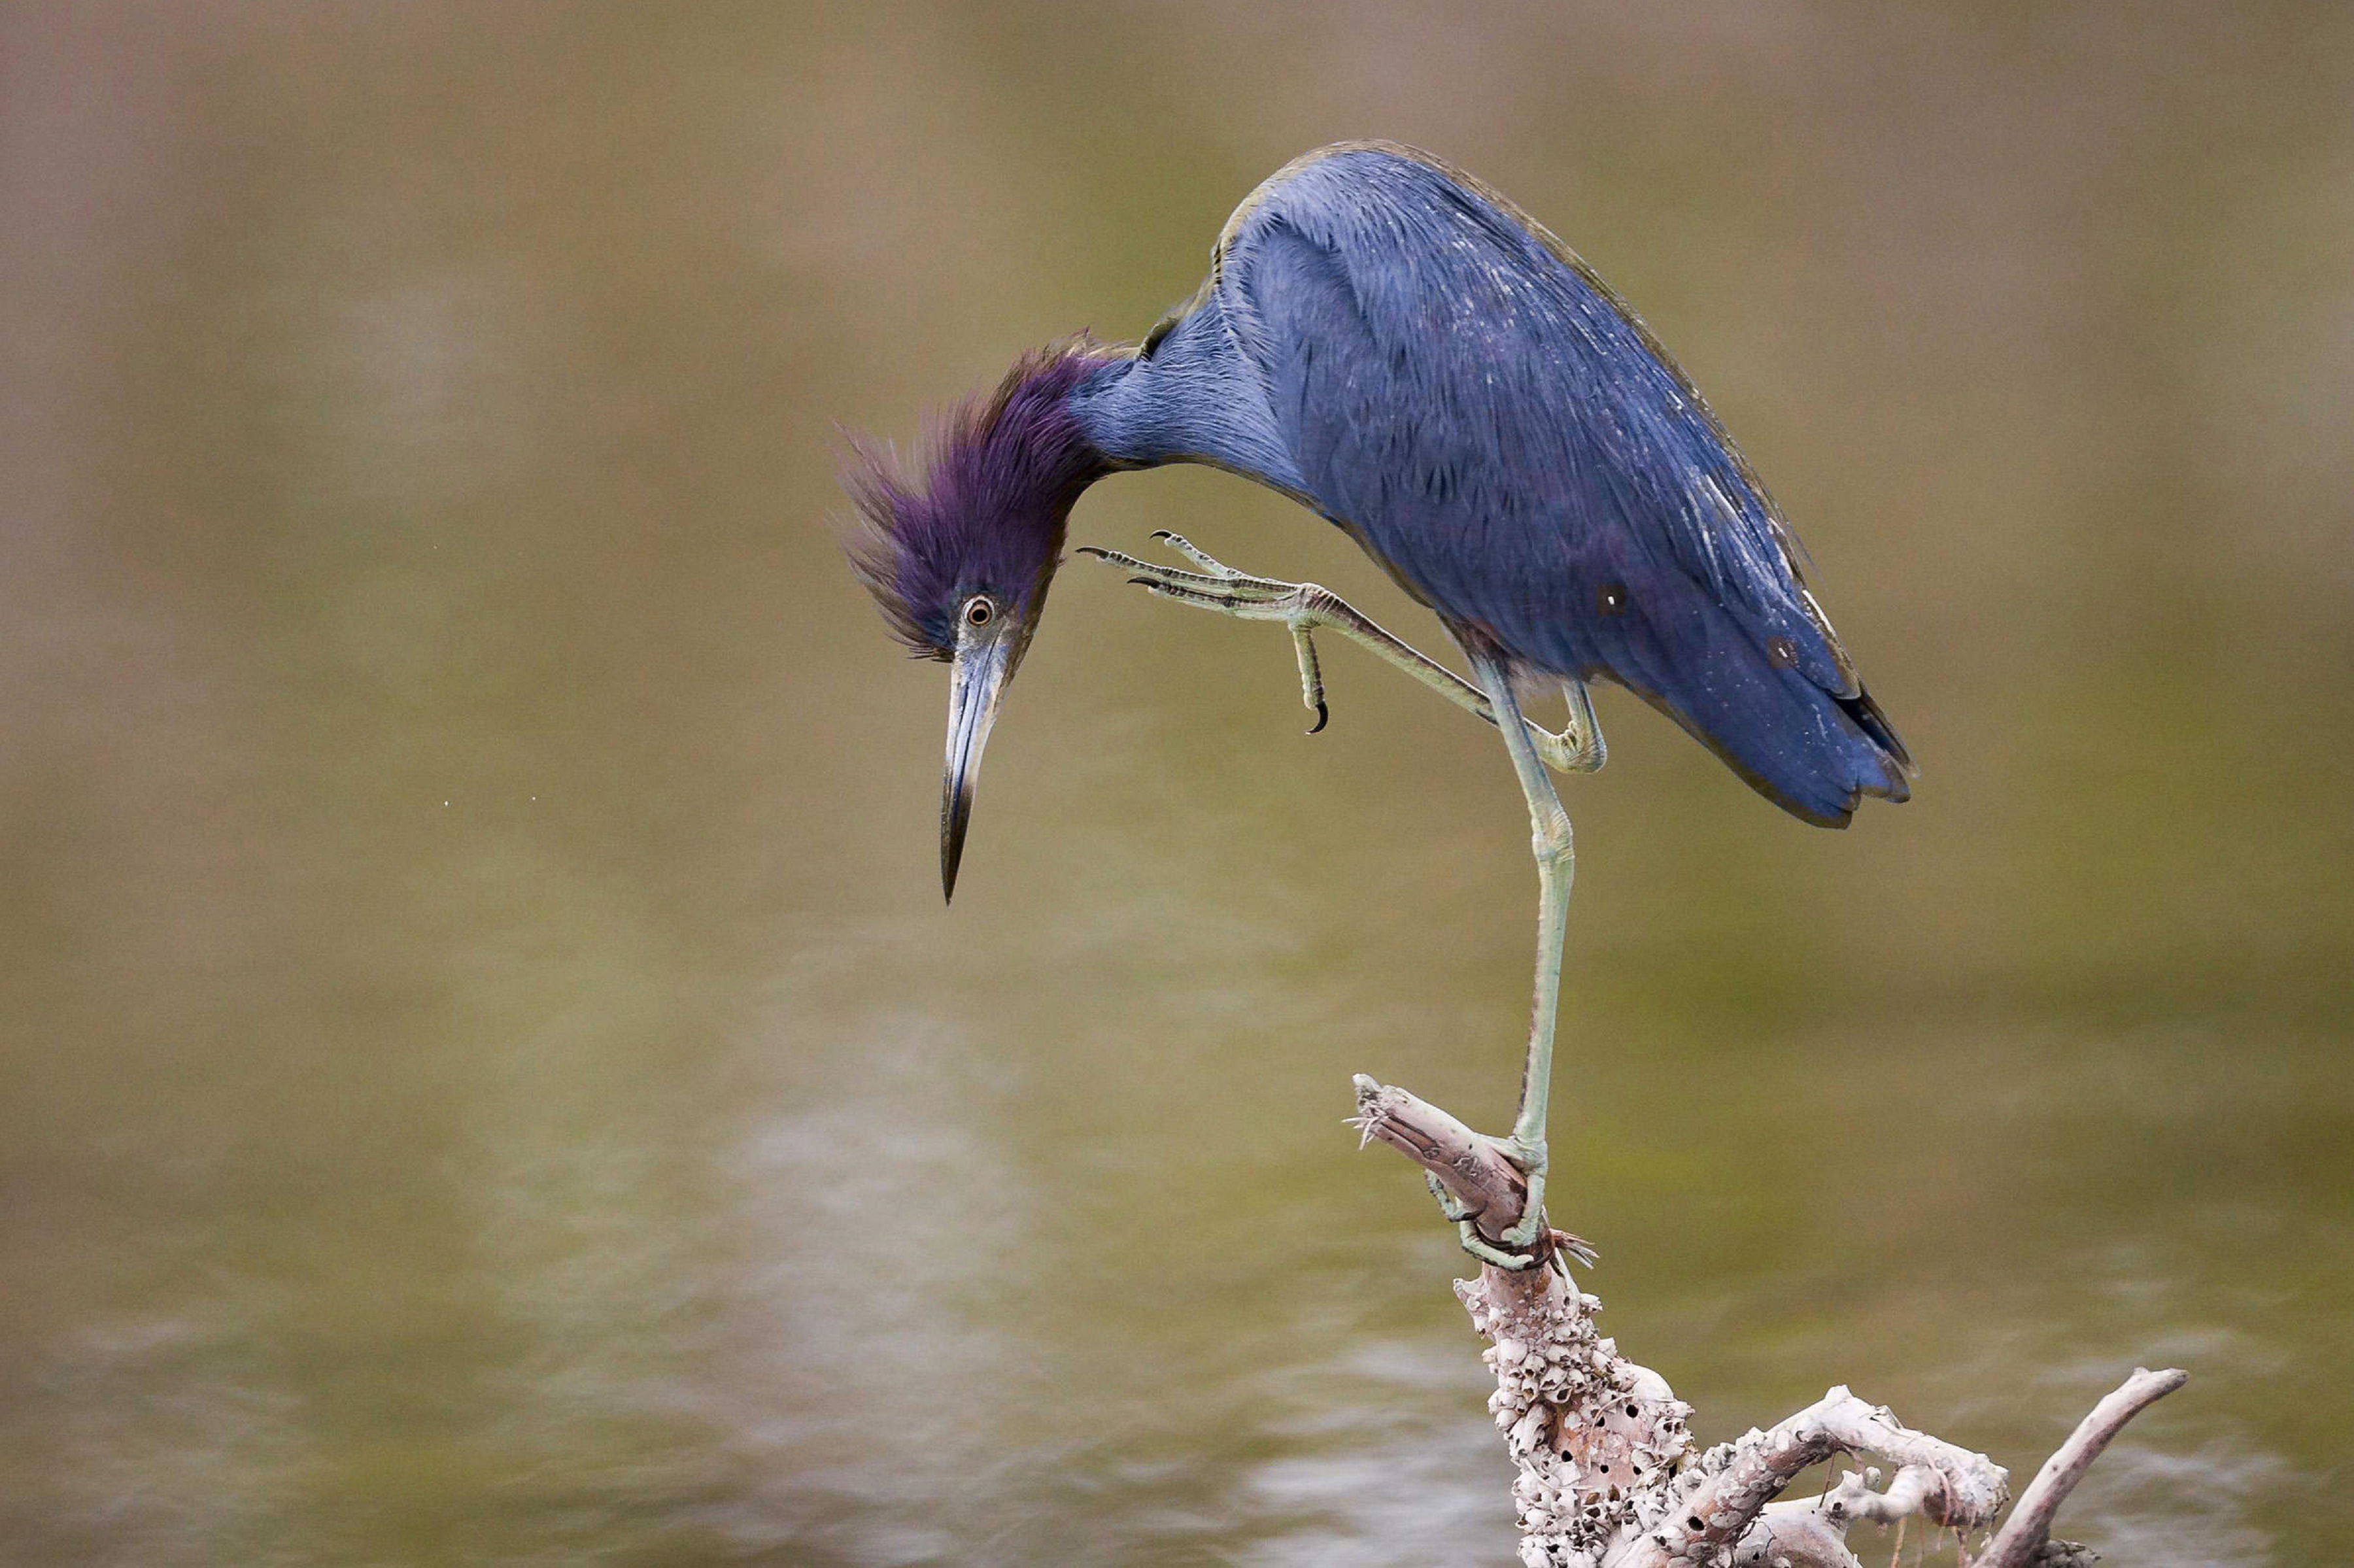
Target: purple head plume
[986,517]
[960,561]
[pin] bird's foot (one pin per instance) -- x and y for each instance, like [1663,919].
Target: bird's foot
[1300,607]
[1464,1219]
[1527,1244]
[1529,1160]
[1456,1211]
[1219,583]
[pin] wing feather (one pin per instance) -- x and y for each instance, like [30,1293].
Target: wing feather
[1506,438]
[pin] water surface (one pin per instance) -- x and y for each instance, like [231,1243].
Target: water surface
[487,1076]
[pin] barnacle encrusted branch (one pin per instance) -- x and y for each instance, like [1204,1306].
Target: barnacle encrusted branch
[1608,1477]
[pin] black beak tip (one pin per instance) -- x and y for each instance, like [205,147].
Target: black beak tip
[952,845]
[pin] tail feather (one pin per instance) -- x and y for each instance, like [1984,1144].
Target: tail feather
[1870,719]
[1816,752]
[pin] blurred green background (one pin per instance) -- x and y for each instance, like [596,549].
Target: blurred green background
[488,1078]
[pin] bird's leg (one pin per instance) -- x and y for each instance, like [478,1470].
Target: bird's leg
[1551,841]
[1306,608]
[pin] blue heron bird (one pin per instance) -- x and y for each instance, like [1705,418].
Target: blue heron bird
[1400,349]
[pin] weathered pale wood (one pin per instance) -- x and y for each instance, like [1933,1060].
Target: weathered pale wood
[1738,1480]
[2020,1539]
[1608,1476]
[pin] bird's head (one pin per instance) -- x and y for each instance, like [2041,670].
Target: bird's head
[961,556]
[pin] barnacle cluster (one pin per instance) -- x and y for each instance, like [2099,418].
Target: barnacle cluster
[1599,1441]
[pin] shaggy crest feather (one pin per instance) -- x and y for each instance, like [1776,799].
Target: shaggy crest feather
[1000,476]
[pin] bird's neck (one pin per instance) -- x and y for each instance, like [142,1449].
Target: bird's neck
[1195,398]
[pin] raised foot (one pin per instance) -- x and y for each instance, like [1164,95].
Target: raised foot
[1300,607]
[1305,609]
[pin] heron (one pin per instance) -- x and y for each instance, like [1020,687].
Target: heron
[1397,346]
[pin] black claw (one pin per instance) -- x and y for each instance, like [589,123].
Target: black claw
[1323,714]
[1163,533]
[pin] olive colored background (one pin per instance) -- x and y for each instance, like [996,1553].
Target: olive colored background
[487,1077]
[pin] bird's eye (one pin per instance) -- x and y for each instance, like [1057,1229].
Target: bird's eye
[979,611]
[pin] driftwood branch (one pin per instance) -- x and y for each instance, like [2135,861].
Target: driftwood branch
[1853,1500]
[1811,1532]
[1470,1165]
[2020,1539]
[1609,1474]
[1947,1486]
[1467,1163]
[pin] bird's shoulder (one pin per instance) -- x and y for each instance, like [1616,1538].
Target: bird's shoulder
[1446,369]
[1376,206]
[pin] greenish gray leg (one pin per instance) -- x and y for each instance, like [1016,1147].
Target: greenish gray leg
[1551,841]
[1305,609]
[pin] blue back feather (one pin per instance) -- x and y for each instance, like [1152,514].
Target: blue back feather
[1402,350]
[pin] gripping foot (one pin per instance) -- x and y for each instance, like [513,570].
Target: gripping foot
[1529,1160]
[1530,1241]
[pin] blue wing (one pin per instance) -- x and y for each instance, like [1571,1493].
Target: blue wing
[1457,391]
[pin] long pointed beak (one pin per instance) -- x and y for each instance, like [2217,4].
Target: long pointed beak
[975,689]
